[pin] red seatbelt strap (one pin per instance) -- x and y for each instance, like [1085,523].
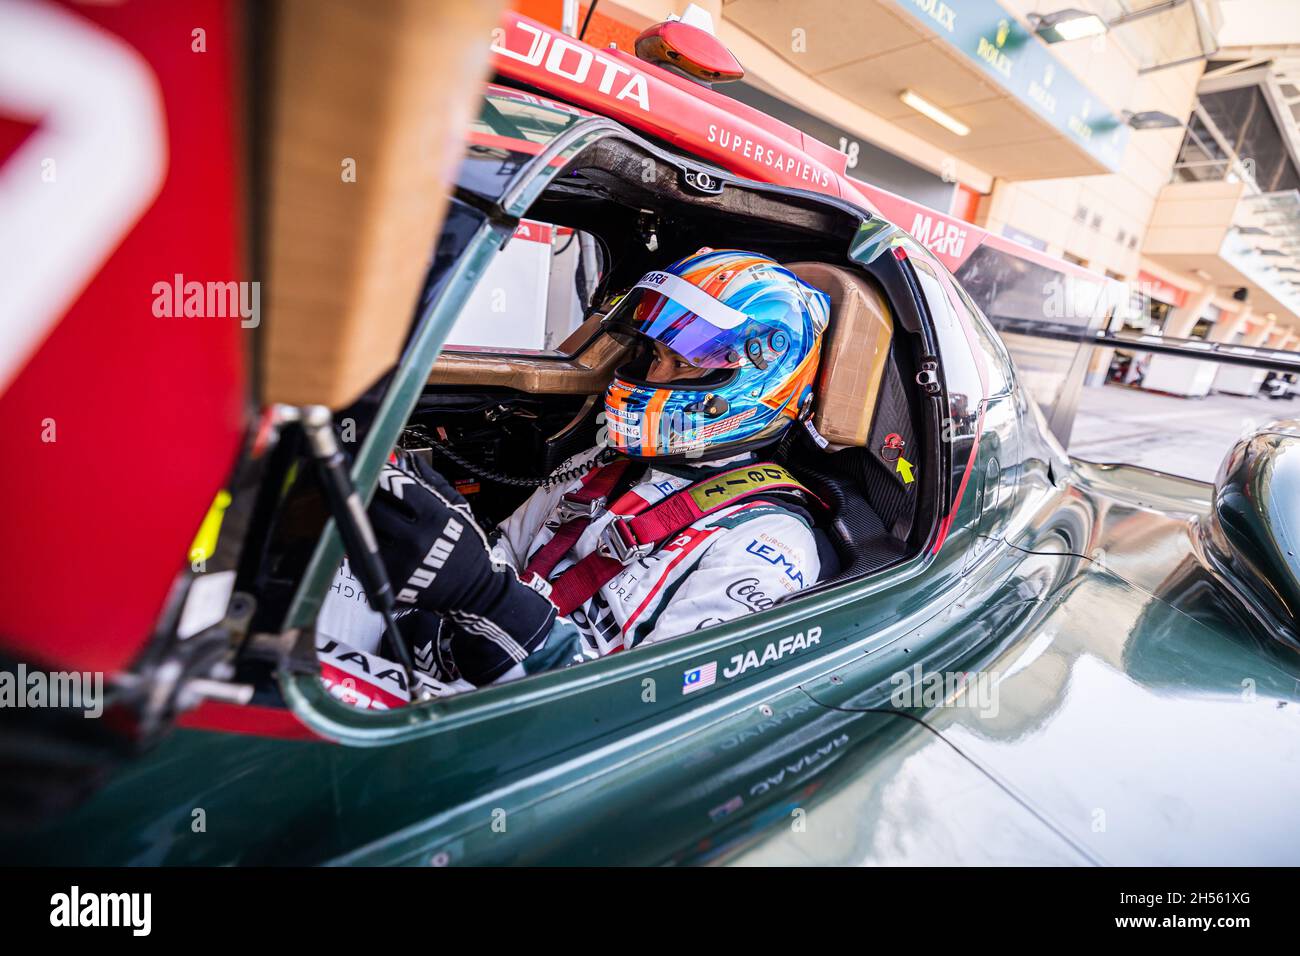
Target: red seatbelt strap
[575,511]
[624,540]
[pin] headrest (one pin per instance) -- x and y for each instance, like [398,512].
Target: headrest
[854,351]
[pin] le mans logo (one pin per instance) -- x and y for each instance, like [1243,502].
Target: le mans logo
[103,909]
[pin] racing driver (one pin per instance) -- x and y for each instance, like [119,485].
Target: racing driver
[676,522]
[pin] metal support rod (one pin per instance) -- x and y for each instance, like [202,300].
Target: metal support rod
[1172,63]
[569,18]
[354,528]
[1275,360]
[1145,12]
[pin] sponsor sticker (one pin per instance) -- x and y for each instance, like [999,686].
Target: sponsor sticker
[733,484]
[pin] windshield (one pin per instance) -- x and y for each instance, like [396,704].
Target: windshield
[510,129]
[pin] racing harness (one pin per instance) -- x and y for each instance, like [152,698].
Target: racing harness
[640,528]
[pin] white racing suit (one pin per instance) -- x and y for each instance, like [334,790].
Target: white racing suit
[734,561]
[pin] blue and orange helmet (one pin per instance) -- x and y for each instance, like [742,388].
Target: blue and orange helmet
[756,328]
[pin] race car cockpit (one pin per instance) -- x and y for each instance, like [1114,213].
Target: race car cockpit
[863,421]
[518,387]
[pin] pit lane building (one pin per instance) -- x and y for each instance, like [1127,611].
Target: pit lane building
[1153,141]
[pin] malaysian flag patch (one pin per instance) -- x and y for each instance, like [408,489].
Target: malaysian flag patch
[700,677]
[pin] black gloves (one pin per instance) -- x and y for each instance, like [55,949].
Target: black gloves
[438,560]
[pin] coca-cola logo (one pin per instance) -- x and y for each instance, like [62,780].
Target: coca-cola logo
[747,593]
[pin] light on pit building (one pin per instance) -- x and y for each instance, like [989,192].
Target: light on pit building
[930,111]
[1068,24]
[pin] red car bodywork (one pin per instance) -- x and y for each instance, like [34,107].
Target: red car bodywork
[718,129]
[120,427]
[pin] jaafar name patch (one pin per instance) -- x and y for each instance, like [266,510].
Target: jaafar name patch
[792,644]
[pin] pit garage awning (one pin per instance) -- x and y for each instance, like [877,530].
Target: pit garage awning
[1214,230]
[1027,115]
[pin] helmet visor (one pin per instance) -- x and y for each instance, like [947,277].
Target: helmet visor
[688,320]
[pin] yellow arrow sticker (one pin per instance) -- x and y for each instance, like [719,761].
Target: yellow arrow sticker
[904,468]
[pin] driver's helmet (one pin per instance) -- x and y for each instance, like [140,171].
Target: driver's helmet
[753,324]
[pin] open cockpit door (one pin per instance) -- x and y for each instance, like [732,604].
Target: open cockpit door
[192,193]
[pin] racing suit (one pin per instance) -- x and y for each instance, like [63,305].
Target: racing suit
[734,561]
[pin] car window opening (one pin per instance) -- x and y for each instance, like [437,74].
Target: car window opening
[518,392]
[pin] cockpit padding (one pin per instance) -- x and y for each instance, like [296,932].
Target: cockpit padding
[854,352]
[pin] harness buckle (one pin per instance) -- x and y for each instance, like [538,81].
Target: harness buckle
[618,542]
[570,507]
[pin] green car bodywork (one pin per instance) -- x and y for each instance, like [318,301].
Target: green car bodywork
[1127,691]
